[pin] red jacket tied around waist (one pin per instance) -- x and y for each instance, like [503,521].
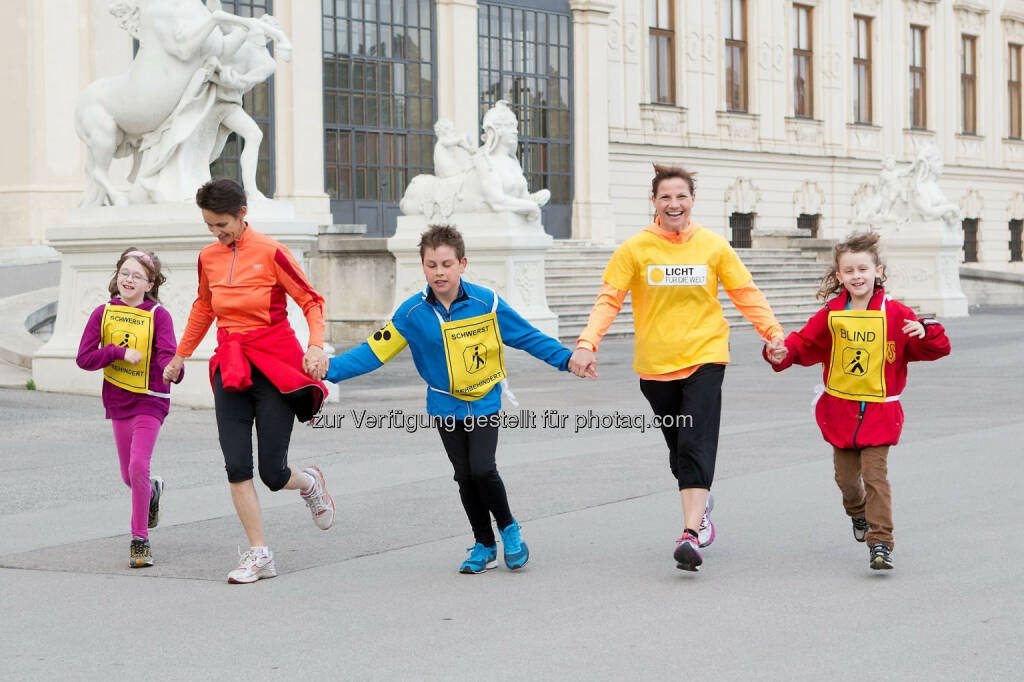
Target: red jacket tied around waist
[274,351]
[850,423]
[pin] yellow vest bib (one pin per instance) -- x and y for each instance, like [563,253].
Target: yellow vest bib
[474,354]
[857,367]
[129,328]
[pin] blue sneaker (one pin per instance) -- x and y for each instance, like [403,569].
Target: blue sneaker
[516,551]
[480,559]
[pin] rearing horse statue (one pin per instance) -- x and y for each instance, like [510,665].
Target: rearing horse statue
[176,39]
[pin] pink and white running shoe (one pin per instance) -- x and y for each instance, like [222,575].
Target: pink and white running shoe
[686,555]
[706,532]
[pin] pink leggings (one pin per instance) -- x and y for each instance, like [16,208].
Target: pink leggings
[135,438]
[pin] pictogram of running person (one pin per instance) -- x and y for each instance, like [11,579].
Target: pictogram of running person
[128,341]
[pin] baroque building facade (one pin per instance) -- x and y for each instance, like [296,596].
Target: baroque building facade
[785,109]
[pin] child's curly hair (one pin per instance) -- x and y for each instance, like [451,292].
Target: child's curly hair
[857,242]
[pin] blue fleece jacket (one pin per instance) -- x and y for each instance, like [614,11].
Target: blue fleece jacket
[418,324]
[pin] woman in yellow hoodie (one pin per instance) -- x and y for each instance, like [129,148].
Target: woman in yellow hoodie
[681,343]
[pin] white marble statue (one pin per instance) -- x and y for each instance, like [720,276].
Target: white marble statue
[912,193]
[173,109]
[471,179]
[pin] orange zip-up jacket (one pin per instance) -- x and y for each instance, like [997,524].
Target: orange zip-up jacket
[243,287]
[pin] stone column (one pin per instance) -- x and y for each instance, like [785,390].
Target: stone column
[458,87]
[592,212]
[298,113]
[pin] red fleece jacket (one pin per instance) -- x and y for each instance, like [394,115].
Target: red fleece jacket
[843,422]
[276,352]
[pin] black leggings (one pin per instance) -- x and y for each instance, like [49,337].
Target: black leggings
[693,407]
[471,452]
[236,412]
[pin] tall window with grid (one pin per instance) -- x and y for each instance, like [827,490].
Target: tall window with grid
[862,112]
[662,52]
[803,75]
[379,106]
[1013,91]
[918,78]
[259,104]
[525,59]
[969,84]
[735,55]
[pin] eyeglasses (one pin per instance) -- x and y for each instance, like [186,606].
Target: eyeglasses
[133,276]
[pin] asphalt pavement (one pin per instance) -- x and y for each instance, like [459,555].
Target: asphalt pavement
[785,591]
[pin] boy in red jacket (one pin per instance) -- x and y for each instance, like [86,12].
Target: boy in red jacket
[864,340]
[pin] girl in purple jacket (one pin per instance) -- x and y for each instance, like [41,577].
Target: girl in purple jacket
[131,338]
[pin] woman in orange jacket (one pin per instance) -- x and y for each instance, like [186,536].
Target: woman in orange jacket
[259,372]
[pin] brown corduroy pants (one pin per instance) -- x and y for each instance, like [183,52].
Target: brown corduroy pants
[862,477]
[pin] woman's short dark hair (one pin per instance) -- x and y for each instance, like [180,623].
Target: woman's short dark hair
[222,196]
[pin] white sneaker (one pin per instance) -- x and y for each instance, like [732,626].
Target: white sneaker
[706,532]
[253,565]
[320,502]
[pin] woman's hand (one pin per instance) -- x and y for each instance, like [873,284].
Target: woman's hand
[173,369]
[315,363]
[132,356]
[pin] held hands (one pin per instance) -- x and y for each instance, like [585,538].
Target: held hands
[132,356]
[776,350]
[583,363]
[173,368]
[913,328]
[315,363]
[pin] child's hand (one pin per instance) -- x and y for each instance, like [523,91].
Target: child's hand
[776,350]
[913,328]
[132,356]
[583,363]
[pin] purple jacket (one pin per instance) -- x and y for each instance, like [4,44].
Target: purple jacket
[122,404]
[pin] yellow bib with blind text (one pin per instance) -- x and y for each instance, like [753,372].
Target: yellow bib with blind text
[475,356]
[857,367]
[128,327]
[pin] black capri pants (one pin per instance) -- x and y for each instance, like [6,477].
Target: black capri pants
[690,410]
[263,404]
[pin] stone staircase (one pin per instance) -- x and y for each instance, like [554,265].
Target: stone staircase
[789,277]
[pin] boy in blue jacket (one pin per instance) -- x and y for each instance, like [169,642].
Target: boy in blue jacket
[456,331]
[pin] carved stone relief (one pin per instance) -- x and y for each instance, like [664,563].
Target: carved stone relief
[869,7]
[1015,207]
[970,21]
[693,46]
[809,199]
[920,11]
[1013,30]
[971,204]
[614,36]
[527,278]
[742,197]
[631,36]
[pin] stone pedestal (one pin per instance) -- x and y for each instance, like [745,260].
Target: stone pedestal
[923,267]
[359,273]
[505,252]
[90,243]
